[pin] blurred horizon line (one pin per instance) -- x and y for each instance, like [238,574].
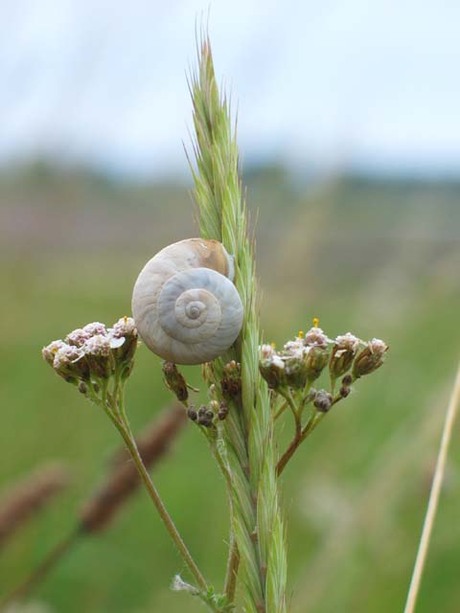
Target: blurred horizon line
[294,175]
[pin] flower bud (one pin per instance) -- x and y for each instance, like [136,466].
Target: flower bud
[175,381]
[272,367]
[223,411]
[322,401]
[82,387]
[343,354]
[370,358]
[296,370]
[315,361]
[123,339]
[231,381]
[49,352]
[192,414]
[205,416]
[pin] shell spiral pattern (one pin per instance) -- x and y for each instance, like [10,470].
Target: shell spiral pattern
[186,308]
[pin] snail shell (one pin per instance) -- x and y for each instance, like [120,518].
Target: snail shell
[185,306]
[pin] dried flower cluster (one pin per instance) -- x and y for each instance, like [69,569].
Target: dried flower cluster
[302,360]
[88,357]
[291,373]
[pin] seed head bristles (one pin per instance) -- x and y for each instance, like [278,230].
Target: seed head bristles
[26,498]
[248,437]
[124,480]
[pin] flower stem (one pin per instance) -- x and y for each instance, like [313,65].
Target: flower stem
[298,439]
[128,438]
[233,560]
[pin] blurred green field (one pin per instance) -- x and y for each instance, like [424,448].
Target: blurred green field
[373,257]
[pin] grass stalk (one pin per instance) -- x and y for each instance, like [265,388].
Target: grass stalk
[257,523]
[433,501]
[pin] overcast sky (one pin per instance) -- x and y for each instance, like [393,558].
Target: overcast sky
[318,85]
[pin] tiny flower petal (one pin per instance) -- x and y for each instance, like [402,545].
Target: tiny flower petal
[95,328]
[51,350]
[97,345]
[316,337]
[116,342]
[77,337]
[125,326]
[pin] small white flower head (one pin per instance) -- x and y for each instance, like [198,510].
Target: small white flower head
[316,337]
[271,366]
[343,354]
[370,358]
[266,352]
[69,363]
[378,347]
[50,351]
[98,345]
[95,328]
[66,356]
[269,357]
[98,353]
[125,326]
[93,352]
[295,348]
[348,342]
[123,340]
[77,337]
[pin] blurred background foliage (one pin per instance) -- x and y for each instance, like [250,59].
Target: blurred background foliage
[377,257]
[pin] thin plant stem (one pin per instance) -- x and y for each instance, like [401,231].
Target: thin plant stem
[281,410]
[40,572]
[290,400]
[233,560]
[433,501]
[298,439]
[128,438]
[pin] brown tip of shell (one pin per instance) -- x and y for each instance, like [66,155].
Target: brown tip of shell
[213,255]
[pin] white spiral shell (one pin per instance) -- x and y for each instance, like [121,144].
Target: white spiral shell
[185,306]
